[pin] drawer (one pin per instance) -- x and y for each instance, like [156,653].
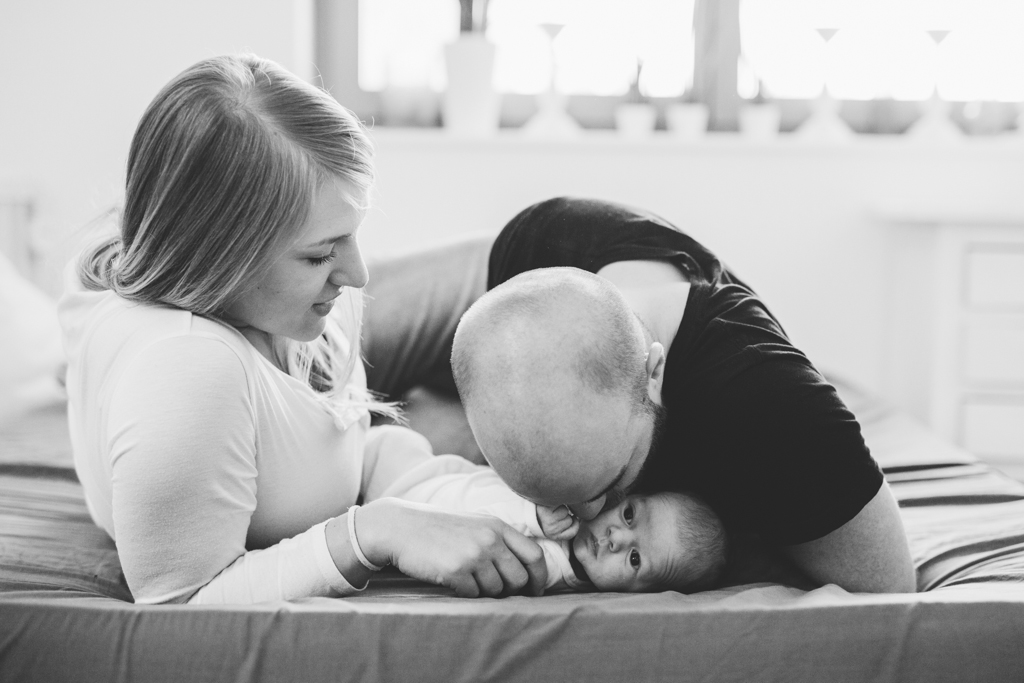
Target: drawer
[994,353]
[995,275]
[994,426]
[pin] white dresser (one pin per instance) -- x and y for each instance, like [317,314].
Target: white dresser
[956,327]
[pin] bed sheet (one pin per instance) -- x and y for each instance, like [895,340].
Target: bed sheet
[65,612]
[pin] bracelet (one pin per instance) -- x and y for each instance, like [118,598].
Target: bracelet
[355,542]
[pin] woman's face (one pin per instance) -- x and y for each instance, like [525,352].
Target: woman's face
[296,292]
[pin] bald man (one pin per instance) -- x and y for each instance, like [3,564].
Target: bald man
[552,369]
[615,354]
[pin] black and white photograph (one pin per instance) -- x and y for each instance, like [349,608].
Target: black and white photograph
[512,340]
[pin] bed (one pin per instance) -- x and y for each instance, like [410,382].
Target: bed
[66,613]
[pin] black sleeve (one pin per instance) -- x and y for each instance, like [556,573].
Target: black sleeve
[793,465]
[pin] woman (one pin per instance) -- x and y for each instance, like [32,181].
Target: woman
[217,401]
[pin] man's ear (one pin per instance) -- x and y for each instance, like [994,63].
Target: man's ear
[655,371]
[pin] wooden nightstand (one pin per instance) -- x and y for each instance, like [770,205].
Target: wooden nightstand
[956,321]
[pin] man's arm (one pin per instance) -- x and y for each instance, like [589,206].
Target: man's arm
[868,554]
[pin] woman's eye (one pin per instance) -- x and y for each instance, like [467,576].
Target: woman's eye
[321,260]
[634,558]
[627,513]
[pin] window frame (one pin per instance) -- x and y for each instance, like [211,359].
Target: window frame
[337,49]
[716,27]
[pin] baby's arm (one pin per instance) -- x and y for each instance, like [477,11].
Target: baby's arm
[389,453]
[454,483]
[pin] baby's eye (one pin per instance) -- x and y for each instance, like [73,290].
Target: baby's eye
[634,558]
[627,513]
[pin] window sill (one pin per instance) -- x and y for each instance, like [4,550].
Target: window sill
[664,142]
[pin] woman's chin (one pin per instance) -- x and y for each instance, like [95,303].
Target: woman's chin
[309,331]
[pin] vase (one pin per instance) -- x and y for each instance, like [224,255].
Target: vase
[935,125]
[471,107]
[687,120]
[825,124]
[552,120]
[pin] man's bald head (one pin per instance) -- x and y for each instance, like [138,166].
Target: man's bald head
[551,367]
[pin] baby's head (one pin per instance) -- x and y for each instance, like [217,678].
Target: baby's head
[662,541]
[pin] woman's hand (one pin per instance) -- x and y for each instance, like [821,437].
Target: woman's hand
[558,523]
[473,554]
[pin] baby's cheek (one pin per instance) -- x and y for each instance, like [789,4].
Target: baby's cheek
[603,576]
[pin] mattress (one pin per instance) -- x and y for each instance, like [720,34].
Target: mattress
[66,613]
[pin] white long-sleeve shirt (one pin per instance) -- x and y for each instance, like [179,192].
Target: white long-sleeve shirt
[211,469]
[454,483]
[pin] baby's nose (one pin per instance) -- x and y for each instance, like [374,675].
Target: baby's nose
[617,538]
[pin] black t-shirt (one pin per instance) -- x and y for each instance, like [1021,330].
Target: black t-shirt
[752,426]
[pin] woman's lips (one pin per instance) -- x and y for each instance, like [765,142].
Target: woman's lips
[324,308]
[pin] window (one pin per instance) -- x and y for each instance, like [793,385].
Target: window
[591,47]
[595,44]
[970,50]
[881,57]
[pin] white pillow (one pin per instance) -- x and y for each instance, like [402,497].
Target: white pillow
[33,422]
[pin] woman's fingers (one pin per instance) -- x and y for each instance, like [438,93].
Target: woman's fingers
[513,574]
[531,557]
[473,554]
[465,585]
[489,580]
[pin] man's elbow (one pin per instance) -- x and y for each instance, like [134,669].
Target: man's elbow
[898,580]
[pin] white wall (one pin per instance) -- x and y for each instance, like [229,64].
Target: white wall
[77,76]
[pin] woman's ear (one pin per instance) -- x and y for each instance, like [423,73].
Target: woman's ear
[655,371]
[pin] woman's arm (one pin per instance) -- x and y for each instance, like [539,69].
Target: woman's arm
[182,445]
[868,554]
[183,453]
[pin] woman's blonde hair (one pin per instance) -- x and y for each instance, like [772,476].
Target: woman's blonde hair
[222,171]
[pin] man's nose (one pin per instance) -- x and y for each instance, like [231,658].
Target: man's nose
[589,510]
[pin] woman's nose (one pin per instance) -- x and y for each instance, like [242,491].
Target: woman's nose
[350,269]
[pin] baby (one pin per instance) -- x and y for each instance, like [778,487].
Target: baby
[657,542]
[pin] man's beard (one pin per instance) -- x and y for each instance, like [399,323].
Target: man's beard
[659,415]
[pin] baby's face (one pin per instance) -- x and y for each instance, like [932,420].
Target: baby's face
[632,547]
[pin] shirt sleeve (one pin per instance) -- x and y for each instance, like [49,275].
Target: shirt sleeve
[183,453]
[454,483]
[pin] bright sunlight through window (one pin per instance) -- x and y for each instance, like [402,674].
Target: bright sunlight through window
[591,46]
[969,50]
